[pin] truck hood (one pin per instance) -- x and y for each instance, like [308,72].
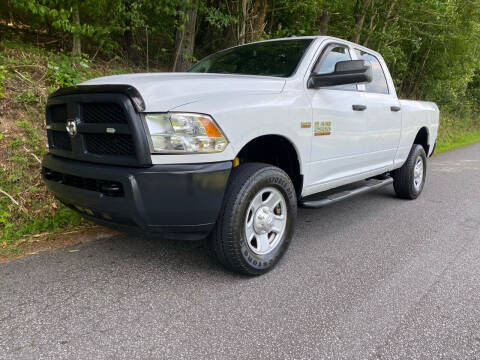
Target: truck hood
[166,91]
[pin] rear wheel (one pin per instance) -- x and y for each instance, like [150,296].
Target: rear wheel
[409,180]
[257,220]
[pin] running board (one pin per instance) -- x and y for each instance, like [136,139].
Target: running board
[369,185]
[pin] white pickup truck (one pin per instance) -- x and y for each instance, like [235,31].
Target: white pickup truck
[229,149]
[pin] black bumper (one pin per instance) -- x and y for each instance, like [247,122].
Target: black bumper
[174,201]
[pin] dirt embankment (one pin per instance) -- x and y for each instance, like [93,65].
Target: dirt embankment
[30,218]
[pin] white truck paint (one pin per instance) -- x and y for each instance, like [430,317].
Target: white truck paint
[218,154]
[361,144]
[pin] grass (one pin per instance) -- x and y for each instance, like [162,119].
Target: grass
[457,140]
[457,131]
[18,236]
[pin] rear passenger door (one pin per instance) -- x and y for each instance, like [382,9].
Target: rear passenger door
[383,116]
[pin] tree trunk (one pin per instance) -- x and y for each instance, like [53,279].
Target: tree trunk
[419,73]
[360,13]
[324,20]
[77,45]
[185,41]
[243,23]
[272,17]
[258,19]
[129,51]
[387,17]
[372,26]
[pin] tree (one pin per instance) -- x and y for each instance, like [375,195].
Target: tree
[360,14]
[185,38]
[430,46]
[324,20]
[76,47]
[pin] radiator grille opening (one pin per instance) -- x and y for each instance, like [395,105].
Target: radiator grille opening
[99,113]
[110,144]
[61,140]
[58,113]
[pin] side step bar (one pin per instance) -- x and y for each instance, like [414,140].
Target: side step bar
[369,185]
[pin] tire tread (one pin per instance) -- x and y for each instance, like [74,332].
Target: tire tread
[403,177]
[223,240]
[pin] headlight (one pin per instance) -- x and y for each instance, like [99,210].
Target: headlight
[184,133]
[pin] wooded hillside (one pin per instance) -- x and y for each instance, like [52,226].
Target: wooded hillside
[431,46]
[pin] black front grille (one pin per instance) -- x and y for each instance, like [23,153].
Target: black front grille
[110,144]
[108,129]
[58,113]
[61,140]
[106,187]
[99,113]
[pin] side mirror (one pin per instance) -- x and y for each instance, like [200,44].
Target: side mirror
[346,72]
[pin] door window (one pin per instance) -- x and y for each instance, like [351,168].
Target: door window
[327,62]
[379,82]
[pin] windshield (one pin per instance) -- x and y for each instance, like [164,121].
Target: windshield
[270,58]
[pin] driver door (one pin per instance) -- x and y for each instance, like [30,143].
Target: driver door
[339,125]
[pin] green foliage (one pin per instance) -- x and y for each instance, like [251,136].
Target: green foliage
[5,223]
[67,71]
[430,46]
[457,130]
[3,76]
[15,142]
[216,16]
[27,97]
[55,223]
[34,139]
[31,73]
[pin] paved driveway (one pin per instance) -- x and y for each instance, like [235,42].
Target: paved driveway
[373,277]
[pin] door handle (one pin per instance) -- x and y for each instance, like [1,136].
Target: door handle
[395,108]
[359,107]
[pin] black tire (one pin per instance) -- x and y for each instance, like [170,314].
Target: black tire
[228,239]
[403,178]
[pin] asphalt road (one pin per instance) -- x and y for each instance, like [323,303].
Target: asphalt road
[374,277]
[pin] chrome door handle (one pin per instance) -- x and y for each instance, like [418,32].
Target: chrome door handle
[359,107]
[395,108]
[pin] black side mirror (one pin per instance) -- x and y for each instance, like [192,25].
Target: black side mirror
[346,72]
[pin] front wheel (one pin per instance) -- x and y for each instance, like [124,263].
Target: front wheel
[408,181]
[257,220]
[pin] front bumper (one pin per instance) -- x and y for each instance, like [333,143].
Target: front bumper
[173,201]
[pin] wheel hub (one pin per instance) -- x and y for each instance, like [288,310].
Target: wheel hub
[263,222]
[418,174]
[266,220]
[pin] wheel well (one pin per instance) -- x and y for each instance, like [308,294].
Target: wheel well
[422,139]
[274,150]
